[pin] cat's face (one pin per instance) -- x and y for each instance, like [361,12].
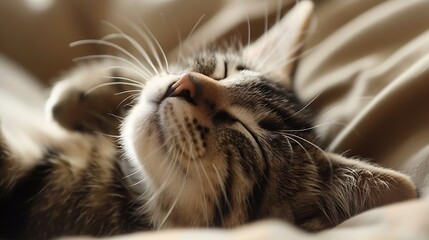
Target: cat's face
[223,140]
[212,133]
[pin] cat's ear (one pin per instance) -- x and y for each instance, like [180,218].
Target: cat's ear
[276,51]
[352,186]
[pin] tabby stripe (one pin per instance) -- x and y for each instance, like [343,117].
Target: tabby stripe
[224,208]
[247,166]
[292,121]
[253,209]
[296,105]
[255,198]
[15,207]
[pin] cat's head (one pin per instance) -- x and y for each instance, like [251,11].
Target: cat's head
[224,141]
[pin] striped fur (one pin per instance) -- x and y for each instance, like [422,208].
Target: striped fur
[235,147]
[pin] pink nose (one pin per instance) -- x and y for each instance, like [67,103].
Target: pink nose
[185,83]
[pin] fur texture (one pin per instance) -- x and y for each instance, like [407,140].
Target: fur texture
[219,140]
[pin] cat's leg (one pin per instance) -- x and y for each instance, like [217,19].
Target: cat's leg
[10,170]
[94,97]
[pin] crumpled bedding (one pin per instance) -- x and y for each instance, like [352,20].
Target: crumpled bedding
[364,68]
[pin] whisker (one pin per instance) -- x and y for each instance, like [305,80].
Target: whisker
[276,49]
[132,174]
[155,194]
[222,187]
[305,106]
[265,29]
[124,78]
[186,42]
[314,127]
[248,31]
[171,168]
[202,187]
[108,135]
[125,99]
[128,91]
[109,44]
[286,60]
[282,61]
[116,116]
[144,35]
[315,146]
[303,148]
[109,84]
[179,55]
[175,201]
[134,43]
[195,26]
[137,183]
[129,69]
[165,182]
[135,68]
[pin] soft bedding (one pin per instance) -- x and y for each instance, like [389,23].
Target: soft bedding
[364,70]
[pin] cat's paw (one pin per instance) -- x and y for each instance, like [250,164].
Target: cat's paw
[92,98]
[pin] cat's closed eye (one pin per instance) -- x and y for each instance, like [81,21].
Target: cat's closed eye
[270,124]
[225,69]
[241,67]
[223,117]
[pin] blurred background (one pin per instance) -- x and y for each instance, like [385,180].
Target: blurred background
[36,33]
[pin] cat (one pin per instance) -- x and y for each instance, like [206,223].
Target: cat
[219,140]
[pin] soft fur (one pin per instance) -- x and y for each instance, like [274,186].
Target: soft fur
[218,140]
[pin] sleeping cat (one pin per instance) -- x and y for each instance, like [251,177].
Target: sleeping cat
[219,140]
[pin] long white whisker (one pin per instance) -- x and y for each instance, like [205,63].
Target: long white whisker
[110,44]
[202,188]
[286,59]
[195,26]
[315,146]
[128,91]
[222,187]
[165,183]
[109,84]
[297,142]
[134,43]
[265,31]
[276,49]
[173,161]
[128,69]
[144,35]
[305,106]
[125,99]
[135,68]
[305,140]
[120,118]
[125,79]
[133,173]
[248,31]
[175,201]
[179,55]
[314,127]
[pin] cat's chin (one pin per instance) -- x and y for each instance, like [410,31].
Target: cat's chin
[153,124]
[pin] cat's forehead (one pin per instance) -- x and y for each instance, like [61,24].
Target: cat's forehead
[208,61]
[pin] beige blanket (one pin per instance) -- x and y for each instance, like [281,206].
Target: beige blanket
[365,69]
